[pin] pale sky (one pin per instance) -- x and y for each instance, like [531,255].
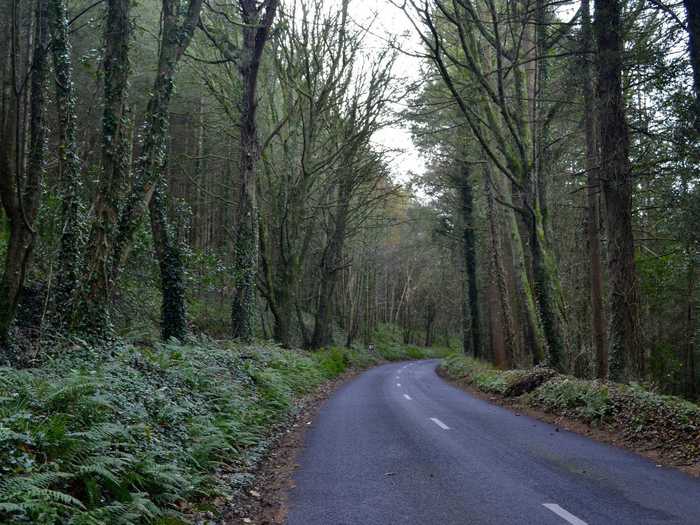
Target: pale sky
[388,22]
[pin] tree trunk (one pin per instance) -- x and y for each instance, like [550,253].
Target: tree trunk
[68,164]
[471,330]
[626,358]
[173,308]
[255,34]
[692,9]
[330,264]
[592,196]
[94,317]
[20,189]
[156,128]
[507,325]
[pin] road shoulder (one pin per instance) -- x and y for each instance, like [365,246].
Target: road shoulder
[602,435]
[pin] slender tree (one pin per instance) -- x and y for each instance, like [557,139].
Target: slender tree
[68,161]
[149,190]
[20,179]
[257,20]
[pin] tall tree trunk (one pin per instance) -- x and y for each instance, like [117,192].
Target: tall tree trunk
[255,34]
[20,188]
[692,9]
[507,325]
[94,317]
[626,358]
[471,330]
[68,163]
[331,262]
[592,198]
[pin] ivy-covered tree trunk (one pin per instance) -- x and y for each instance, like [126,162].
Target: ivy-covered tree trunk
[471,328]
[257,21]
[94,315]
[68,163]
[175,40]
[172,272]
[593,200]
[20,182]
[149,189]
[626,358]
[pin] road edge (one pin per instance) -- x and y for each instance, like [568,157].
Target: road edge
[601,435]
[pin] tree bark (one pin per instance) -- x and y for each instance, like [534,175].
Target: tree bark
[626,358]
[20,188]
[471,329]
[592,199]
[68,164]
[331,262]
[94,316]
[255,34]
[173,308]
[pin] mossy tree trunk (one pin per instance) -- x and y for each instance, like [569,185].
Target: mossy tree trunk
[93,314]
[331,262]
[150,186]
[68,164]
[257,20]
[20,180]
[178,28]
[626,358]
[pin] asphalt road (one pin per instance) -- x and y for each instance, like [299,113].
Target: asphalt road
[398,445]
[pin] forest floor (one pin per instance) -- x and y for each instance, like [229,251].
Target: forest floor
[163,433]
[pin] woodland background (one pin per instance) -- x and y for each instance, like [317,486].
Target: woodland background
[175,168]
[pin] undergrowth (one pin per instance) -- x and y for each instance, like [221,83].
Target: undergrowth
[639,415]
[131,435]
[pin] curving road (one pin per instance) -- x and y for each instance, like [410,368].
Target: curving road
[400,446]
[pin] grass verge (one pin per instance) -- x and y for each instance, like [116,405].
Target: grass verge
[643,420]
[130,435]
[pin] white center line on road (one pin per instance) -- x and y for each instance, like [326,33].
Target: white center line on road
[439,423]
[556,509]
[398,384]
[407,396]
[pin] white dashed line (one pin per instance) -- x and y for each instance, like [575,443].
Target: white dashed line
[566,515]
[439,423]
[398,385]
[407,396]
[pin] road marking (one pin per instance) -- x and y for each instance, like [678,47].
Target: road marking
[398,384]
[556,509]
[407,396]
[439,423]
